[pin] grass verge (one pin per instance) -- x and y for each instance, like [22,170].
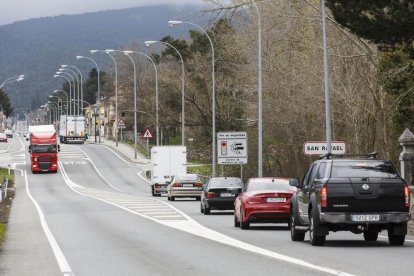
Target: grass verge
[5,205]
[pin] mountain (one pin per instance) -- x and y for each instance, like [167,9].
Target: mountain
[37,47]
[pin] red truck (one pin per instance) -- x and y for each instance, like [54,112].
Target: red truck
[43,148]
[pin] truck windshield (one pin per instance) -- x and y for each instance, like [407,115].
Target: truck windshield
[44,148]
[363,168]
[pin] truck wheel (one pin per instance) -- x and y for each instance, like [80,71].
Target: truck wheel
[395,239]
[370,236]
[243,225]
[295,235]
[314,238]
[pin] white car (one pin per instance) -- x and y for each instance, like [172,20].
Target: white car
[185,185]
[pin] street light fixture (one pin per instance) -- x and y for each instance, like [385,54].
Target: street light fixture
[99,85]
[67,99]
[63,74]
[156,91]
[108,52]
[64,70]
[213,97]
[12,79]
[151,42]
[81,82]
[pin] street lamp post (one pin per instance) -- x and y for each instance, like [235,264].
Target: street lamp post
[326,81]
[59,100]
[135,104]
[59,74]
[67,98]
[213,97]
[156,92]
[148,43]
[12,79]
[99,85]
[108,52]
[81,82]
[64,70]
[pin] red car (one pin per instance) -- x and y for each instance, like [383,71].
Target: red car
[264,200]
[3,137]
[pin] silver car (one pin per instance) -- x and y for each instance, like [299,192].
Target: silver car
[185,185]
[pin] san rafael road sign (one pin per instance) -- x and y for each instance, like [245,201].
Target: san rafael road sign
[232,147]
[320,148]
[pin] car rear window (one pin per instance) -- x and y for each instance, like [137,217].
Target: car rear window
[187,177]
[226,183]
[363,169]
[270,185]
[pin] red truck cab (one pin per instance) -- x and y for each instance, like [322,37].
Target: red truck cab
[43,149]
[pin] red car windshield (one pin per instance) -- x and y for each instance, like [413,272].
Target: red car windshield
[270,185]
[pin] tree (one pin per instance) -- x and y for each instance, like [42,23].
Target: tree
[382,22]
[91,86]
[5,104]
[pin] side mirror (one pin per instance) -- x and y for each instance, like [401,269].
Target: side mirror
[294,182]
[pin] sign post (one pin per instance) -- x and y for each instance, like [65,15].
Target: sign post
[148,135]
[121,126]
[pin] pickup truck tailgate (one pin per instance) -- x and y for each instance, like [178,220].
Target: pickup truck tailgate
[366,195]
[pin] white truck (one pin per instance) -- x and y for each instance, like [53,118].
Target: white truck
[166,161]
[72,129]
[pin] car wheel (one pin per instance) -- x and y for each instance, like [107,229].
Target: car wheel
[395,239]
[198,198]
[370,236]
[172,198]
[295,235]
[315,239]
[152,191]
[243,225]
[236,222]
[201,208]
[206,211]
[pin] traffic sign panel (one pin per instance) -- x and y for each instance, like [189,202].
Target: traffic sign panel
[320,148]
[121,123]
[147,133]
[232,147]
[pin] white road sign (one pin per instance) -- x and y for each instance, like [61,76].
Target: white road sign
[147,134]
[121,124]
[232,147]
[320,148]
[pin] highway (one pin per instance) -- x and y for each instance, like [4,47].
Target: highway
[96,217]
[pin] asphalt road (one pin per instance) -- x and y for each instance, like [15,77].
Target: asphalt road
[101,220]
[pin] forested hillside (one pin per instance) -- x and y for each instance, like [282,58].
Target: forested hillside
[37,47]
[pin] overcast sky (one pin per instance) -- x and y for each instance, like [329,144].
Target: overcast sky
[16,10]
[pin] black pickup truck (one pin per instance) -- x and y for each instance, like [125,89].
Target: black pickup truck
[361,195]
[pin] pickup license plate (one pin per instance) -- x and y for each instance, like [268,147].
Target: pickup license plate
[276,199]
[375,217]
[226,195]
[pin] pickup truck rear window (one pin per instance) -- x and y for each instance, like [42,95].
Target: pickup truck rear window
[363,168]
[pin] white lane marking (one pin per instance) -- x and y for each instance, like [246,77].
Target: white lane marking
[172,216]
[96,169]
[62,262]
[192,227]
[159,213]
[114,153]
[143,177]
[384,237]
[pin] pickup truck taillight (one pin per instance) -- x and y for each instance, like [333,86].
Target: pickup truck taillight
[407,196]
[323,194]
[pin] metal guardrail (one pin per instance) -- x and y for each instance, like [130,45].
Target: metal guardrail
[3,188]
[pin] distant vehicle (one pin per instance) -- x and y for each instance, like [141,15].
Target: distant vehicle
[72,129]
[361,195]
[3,137]
[264,200]
[185,185]
[9,133]
[166,161]
[220,194]
[43,148]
